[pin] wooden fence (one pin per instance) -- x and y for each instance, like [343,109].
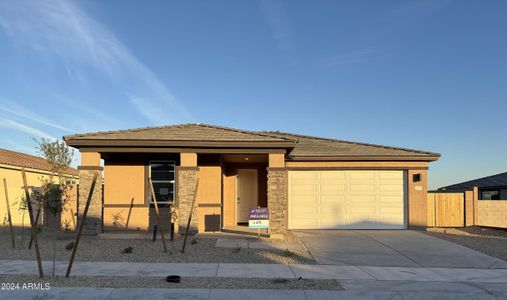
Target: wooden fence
[446,210]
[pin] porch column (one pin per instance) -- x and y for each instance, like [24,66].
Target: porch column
[186,179]
[277,195]
[90,163]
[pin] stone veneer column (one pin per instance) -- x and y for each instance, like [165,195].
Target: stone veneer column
[186,179]
[93,221]
[277,201]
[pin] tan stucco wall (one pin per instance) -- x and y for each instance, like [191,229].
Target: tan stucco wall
[229,199]
[209,193]
[188,159]
[124,181]
[276,160]
[90,159]
[417,199]
[16,191]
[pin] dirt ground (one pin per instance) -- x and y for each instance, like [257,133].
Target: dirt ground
[490,241]
[199,250]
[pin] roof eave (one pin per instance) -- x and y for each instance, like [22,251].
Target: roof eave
[428,158]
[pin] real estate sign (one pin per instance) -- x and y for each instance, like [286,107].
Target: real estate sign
[258,217]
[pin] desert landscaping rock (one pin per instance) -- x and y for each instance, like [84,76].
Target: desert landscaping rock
[202,282]
[486,240]
[145,250]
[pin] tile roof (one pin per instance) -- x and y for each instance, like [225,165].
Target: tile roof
[12,158]
[493,181]
[183,132]
[299,146]
[310,146]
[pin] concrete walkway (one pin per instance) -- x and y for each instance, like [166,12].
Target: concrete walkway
[391,248]
[416,274]
[225,294]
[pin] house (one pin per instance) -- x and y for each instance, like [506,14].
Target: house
[492,187]
[306,182]
[37,169]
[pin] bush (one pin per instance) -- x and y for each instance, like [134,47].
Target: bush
[69,246]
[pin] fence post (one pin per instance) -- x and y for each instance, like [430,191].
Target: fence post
[476,205]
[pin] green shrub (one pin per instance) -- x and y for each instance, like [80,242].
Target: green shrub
[69,246]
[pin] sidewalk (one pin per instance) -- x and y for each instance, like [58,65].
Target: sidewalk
[416,274]
[225,294]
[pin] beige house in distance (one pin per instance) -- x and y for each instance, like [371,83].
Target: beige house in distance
[37,170]
[306,182]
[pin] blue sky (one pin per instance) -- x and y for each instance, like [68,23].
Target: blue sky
[428,75]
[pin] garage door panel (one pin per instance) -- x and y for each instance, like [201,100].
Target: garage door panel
[303,175]
[362,188]
[390,199]
[333,223]
[346,199]
[363,199]
[328,188]
[391,175]
[391,188]
[331,176]
[361,175]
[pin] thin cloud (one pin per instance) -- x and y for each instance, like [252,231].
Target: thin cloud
[34,132]
[83,113]
[18,147]
[352,57]
[62,29]
[14,109]
[276,16]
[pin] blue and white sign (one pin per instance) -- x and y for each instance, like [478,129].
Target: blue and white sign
[258,217]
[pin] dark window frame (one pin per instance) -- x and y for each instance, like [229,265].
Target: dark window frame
[492,190]
[172,182]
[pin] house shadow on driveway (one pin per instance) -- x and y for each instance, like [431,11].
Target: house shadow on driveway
[391,248]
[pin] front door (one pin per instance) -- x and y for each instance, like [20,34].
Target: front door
[247,193]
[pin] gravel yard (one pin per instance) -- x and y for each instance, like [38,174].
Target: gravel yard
[203,282]
[486,240]
[198,250]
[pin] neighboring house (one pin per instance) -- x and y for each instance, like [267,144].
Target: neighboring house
[307,182]
[36,169]
[492,187]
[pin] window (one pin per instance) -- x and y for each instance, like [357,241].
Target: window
[162,176]
[490,195]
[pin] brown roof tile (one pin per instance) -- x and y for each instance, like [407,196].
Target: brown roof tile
[12,158]
[310,146]
[184,132]
[300,146]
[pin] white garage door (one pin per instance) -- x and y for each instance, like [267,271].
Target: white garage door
[347,199]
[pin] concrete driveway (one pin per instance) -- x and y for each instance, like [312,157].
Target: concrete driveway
[391,248]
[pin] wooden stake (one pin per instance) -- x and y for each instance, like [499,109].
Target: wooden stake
[81,224]
[36,223]
[9,214]
[158,215]
[30,213]
[130,211]
[190,217]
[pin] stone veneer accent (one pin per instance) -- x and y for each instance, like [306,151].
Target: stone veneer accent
[277,201]
[93,222]
[186,180]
